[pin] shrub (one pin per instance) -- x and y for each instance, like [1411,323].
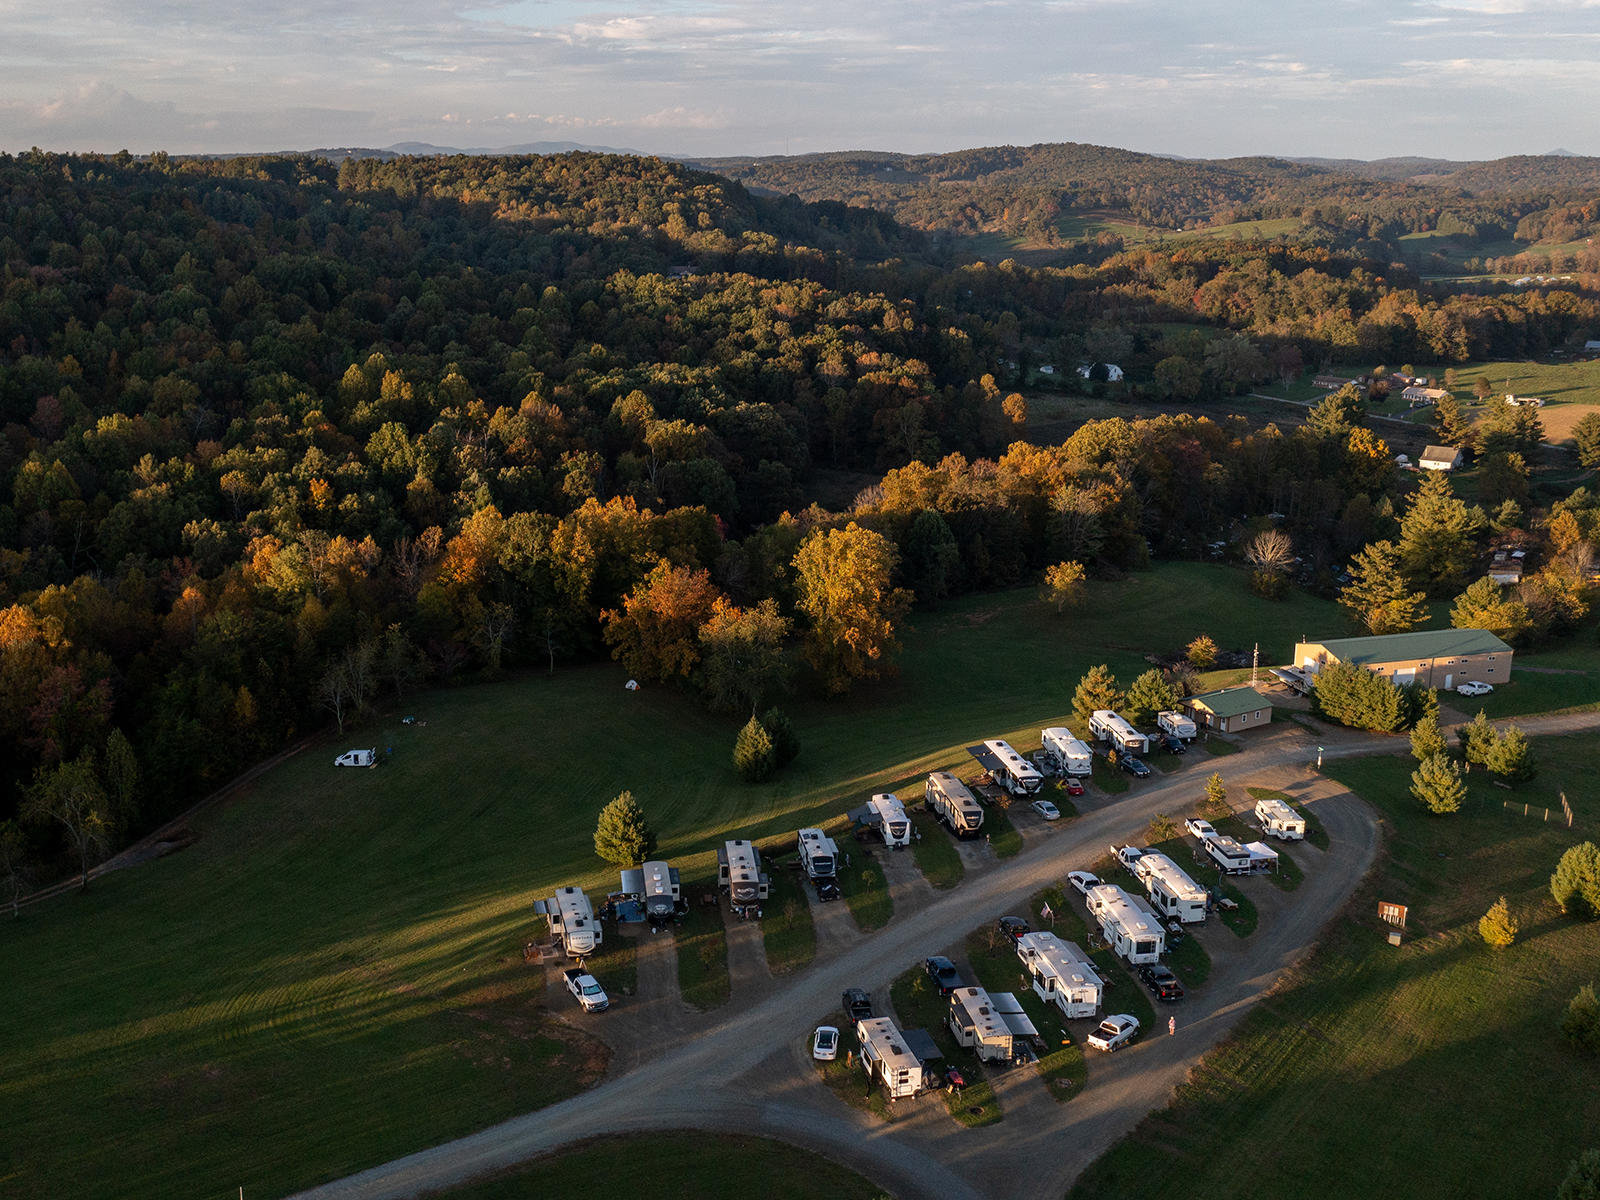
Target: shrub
[1202,652]
[1497,926]
[1354,696]
[1215,807]
[1511,756]
[622,835]
[1162,828]
[753,756]
[1427,739]
[785,741]
[1576,883]
[1581,1024]
[1476,738]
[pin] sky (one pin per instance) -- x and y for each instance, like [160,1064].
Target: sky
[1460,79]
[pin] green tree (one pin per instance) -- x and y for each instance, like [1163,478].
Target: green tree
[1580,1025]
[932,557]
[70,795]
[1338,414]
[1498,927]
[622,835]
[785,741]
[1477,738]
[1576,883]
[1354,696]
[753,757]
[1096,690]
[1451,426]
[1438,535]
[1215,806]
[1427,739]
[1438,785]
[1202,652]
[1484,605]
[1511,756]
[1378,595]
[122,778]
[843,580]
[1162,828]
[1482,388]
[1147,695]
[743,660]
[1586,434]
[1582,1181]
[1064,586]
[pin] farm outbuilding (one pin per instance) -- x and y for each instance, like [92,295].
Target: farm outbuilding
[1230,710]
[1438,658]
[1440,458]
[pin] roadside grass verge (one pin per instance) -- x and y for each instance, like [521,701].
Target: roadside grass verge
[866,892]
[1108,779]
[1242,920]
[1190,960]
[1004,839]
[679,1165]
[935,851]
[918,1005]
[1439,1018]
[702,944]
[787,930]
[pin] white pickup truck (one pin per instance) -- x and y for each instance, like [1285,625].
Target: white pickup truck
[586,989]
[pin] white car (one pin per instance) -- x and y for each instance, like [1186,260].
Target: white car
[1475,688]
[1115,1032]
[1083,881]
[1046,810]
[825,1043]
[1200,829]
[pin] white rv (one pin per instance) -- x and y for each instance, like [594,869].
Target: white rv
[1070,756]
[886,1058]
[820,858]
[1176,724]
[978,1025]
[1062,974]
[1107,726]
[889,815]
[1010,770]
[1279,820]
[1130,929]
[658,890]
[1228,854]
[739,874]
[949,800]
[1172,893]
[572,920]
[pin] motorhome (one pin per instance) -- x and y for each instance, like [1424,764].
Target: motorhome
[1069,755]
[1010,770]
[886,1058]
[950,800]
[658,890]
[739,874]
[1228,854]
[571,920]
[1062,974]
[1130,929]
[978,1024]
[887,815]
[1176,724]
[820,858]
[1107,726]
[1279,820]
[1172,893]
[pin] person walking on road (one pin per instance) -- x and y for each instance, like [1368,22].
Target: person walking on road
[1172,1026]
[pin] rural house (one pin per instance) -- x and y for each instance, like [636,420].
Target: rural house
[1438,658]
[1230,710]
[1417,395]
[1440,458]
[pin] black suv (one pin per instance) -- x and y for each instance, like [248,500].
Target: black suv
[1133,766]
[1014,927]
[1163,984]
[857,1004]
[944,974]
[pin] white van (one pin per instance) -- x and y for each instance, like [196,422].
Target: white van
[357,758]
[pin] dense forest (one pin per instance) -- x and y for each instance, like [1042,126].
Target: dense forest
[278,437]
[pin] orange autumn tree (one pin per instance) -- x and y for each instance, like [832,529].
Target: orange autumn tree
[656,632]
[843,577]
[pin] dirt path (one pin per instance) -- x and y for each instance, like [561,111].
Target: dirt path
[748,973]
[836,928]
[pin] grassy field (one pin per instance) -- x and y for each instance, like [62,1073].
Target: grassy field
[935,851]
[702,946]
[1003,836]
[675,1166]
[338,948]
[787,931]
[1370,1053]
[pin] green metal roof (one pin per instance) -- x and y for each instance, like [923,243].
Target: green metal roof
[1231,702]
[1424,643]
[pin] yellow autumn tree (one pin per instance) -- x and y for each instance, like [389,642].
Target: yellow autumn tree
[843,579]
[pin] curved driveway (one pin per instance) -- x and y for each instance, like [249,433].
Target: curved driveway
[744,1071]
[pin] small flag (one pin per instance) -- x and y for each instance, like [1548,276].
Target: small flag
[1046,914]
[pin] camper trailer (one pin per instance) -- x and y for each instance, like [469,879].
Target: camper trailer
[1062,974]
[1107,726]
[571,920]
[1279,820]
[1172,893]
[978,1024]
[886,1058]
[1176,724]
[739,874]
[887,815]
[1228,854]
[1130,929]
[1070,756]
[949,800]
[820,858]
[1010,770]
[658,890]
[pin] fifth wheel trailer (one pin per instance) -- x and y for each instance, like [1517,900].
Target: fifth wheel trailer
[886,1057]
[1009,769]
[949,800]
[1172,893]
[1062,974]
[1070,756]
[739,874]
[1109,727]
[1131,929]
[572,920]
[820,858]
[887,815]
[658,889]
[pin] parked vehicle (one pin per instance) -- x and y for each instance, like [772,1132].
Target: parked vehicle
[1062,974]
[1115,1032]
[1173,745]
[944,974]
[1172,893]
[825,1043]
[886,1058]
[1009,769]
[1279,820]
[1136,767]
[1128,926]
[1200,829]
[820,858]
[586,990]
[1106,726]
[1128,856]
[1074,787]
[889,815]
[857,1004]
[1046,810]
[740,877]
[357,758]
[1013,927]
[1083,881]
[571,920]
[1163,984]
[1474,688]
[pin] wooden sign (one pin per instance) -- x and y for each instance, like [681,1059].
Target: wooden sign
[1393,914]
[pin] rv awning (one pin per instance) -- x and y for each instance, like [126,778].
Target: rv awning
[985,758]
[633,881]
[1010,1011]
[919,1043]
[863,815]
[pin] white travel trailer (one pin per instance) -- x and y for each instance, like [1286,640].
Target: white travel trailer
[1010,770]
[572,920]
[886,1057]
[1279,820]
[887,815]
[1130,929]
[739,874]
[1172,893]
[1070,756]
[1228,854]
[1062,974]
[818,855]
[978,1024]
[1176,724]
[658,890]
[950,800]
[1107,726]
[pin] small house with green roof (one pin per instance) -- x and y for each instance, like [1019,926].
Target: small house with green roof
[1230,710]
[1436,658]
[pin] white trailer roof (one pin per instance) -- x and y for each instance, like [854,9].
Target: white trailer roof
[1271,808]
[1064,742]
[978,1011]
[1065,961]
[1115,907]
[1173,877]
[1226,846]
[955,791]
[886,1042]
[1107,719]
